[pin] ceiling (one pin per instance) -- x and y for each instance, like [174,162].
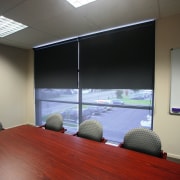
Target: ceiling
[56,20]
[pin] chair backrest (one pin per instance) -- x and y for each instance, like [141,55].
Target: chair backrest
[54,122]
[1,126]
[91,129]
[143,140]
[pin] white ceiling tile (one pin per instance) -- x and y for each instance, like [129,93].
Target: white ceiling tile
[51,20]
[30,37]
[7,5]
[169,7]
[32,11]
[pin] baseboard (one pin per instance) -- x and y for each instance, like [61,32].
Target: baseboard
[173,156]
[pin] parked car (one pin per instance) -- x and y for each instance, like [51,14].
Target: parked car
[117,102]
[137,97]
[106,102]
[72,115]
[96,110]
[147,123]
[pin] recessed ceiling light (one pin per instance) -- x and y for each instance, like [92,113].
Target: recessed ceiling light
[9,26]
[78,3]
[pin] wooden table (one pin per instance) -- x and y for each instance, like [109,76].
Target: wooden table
[31,153]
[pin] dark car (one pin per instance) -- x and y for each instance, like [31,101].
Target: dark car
[117,102]
[72,115]
[96,110]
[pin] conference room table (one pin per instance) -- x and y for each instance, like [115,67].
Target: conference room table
[31,153]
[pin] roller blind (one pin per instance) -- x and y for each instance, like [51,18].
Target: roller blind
[121,58]
[56,66]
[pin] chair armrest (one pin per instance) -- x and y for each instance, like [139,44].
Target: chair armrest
[63,130]
[75,134]
[121,145]
[41,126]
[163,155]
[103,140]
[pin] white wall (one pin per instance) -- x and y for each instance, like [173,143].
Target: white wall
[30,118]
[167,126]
[16,86]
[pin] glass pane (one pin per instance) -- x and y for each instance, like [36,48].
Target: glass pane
[68,111]
[57,94]
[62,101]
[117,121]
[126,97]
[119,110]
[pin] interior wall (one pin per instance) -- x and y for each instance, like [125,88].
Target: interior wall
[15,95]
[167,126]
[30,118]
[17,86]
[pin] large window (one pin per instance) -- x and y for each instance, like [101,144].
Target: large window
[118,110]
[108,77]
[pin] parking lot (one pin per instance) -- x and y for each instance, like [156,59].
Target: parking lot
[116,122]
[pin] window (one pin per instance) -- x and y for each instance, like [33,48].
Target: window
[108,77]
[118,110]
[62,101]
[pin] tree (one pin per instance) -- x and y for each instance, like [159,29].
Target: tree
[119,93]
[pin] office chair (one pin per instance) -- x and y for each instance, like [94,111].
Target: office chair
[54,122]
[145,141]
[91,129]
[1,127]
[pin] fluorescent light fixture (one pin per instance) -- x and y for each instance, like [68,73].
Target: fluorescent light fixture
[78,3]
[9,26]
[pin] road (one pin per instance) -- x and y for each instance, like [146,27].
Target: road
[117,122]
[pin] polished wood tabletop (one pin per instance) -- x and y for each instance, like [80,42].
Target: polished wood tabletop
[31,153]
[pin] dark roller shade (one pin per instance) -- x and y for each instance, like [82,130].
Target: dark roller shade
[122,58]
[56,66]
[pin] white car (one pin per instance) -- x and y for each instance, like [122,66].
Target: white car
[147,123]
